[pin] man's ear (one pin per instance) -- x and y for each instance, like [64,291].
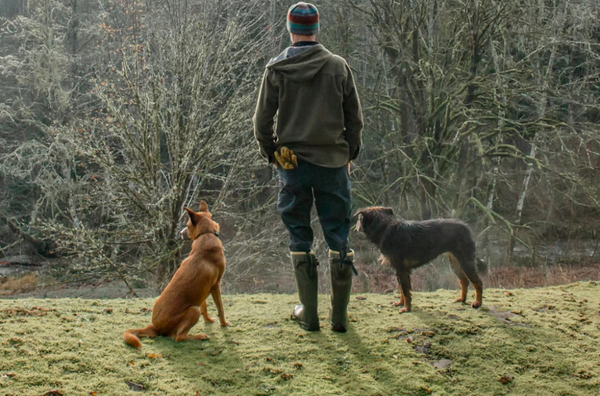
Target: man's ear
[203,206]
[192,214]
[389,211]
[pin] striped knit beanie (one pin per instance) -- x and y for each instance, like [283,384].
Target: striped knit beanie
[303,18]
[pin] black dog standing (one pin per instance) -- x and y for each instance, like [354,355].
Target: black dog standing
[408,245]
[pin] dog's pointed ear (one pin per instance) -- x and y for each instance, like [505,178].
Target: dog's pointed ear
[357,213]
[192,214]
[389,211]
[203,206]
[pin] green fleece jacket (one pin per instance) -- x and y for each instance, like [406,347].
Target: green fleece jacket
[318,113]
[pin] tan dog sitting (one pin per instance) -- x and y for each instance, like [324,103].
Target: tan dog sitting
[182,302]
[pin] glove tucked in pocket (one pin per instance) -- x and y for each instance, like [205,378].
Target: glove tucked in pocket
[286,158]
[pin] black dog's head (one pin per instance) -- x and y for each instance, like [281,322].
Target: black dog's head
[373,216]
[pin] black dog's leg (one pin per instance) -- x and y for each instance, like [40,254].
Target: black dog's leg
[403,277]
[468,266]
[400,302]
[386,261]
[463,279]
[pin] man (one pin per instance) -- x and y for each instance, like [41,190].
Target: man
[317,133]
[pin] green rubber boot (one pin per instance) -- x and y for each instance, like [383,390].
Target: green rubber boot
[341,285]
[307,280]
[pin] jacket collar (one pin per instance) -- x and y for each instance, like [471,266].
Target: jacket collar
[304,43]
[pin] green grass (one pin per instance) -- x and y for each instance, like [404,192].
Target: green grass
[546,339]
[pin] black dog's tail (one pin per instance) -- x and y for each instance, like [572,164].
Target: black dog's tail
[482,267]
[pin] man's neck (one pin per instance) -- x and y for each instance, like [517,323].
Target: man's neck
[294,38]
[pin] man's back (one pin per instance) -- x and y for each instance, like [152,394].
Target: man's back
[318,111]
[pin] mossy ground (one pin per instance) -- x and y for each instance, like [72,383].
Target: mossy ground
[542,341]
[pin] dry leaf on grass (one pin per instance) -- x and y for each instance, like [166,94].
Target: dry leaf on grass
[272,370]
[34,311]
[396,329]
[135,387]
[505,379]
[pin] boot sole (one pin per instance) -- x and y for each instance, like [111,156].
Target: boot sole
[306,326]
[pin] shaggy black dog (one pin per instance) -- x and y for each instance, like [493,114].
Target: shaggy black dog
[408,245]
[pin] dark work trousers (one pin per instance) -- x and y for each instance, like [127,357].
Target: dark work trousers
[329,188]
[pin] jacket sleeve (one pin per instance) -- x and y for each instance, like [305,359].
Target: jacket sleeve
[266,107]
[353,117]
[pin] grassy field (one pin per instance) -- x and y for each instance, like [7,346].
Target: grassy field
[522,342]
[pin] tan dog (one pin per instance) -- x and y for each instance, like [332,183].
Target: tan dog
[182,302]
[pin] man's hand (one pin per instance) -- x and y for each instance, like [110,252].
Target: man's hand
[349,167]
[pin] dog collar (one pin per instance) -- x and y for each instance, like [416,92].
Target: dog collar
[215,233]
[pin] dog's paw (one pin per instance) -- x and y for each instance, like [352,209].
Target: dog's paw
[460,300]
[476,304]
[226,323]
[209,320]
[404,310]
[397,303]
[201,337]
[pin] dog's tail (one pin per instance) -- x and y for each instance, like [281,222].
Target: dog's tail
[482,267]
[131,336]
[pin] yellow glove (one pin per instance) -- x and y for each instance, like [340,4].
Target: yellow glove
[286,158]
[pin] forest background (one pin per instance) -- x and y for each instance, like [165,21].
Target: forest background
[116,114]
